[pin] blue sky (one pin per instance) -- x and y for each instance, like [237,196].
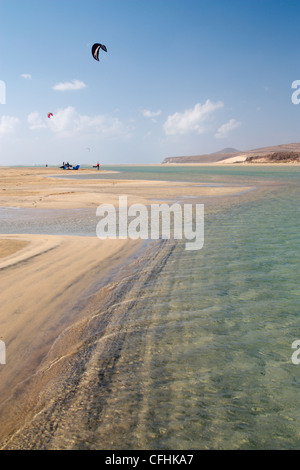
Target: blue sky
[181,77]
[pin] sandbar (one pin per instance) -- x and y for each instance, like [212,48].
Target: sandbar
[39,187]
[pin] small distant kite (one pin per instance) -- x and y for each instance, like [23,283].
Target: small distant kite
[96,49]
[49,115]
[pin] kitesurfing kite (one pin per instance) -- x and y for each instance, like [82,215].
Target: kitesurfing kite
[49,115]
[96,49]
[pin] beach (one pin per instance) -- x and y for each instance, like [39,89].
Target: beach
[47,280]
[116,344]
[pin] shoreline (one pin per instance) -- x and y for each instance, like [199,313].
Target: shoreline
[47,288]
[88,346]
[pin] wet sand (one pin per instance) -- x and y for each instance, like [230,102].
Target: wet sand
[46,284]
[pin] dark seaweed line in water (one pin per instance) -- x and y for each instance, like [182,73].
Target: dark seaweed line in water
[68,411]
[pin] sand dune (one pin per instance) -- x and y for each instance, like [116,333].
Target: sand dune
[237,159]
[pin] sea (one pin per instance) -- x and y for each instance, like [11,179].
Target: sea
[191,350]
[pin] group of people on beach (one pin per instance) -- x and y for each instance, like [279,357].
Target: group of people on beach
[68,165]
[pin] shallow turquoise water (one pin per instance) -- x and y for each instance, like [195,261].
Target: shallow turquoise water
[214,368]
[232,313]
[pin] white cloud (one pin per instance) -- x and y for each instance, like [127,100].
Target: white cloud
[8,125]
[226,128]
[35,121]
[151,114]
[191,120]
[27,76]
[73,85]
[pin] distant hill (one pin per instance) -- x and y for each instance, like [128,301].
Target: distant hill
[276,157]
[233,155]
[295,147]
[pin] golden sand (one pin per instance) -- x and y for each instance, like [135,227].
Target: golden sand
[41,284]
